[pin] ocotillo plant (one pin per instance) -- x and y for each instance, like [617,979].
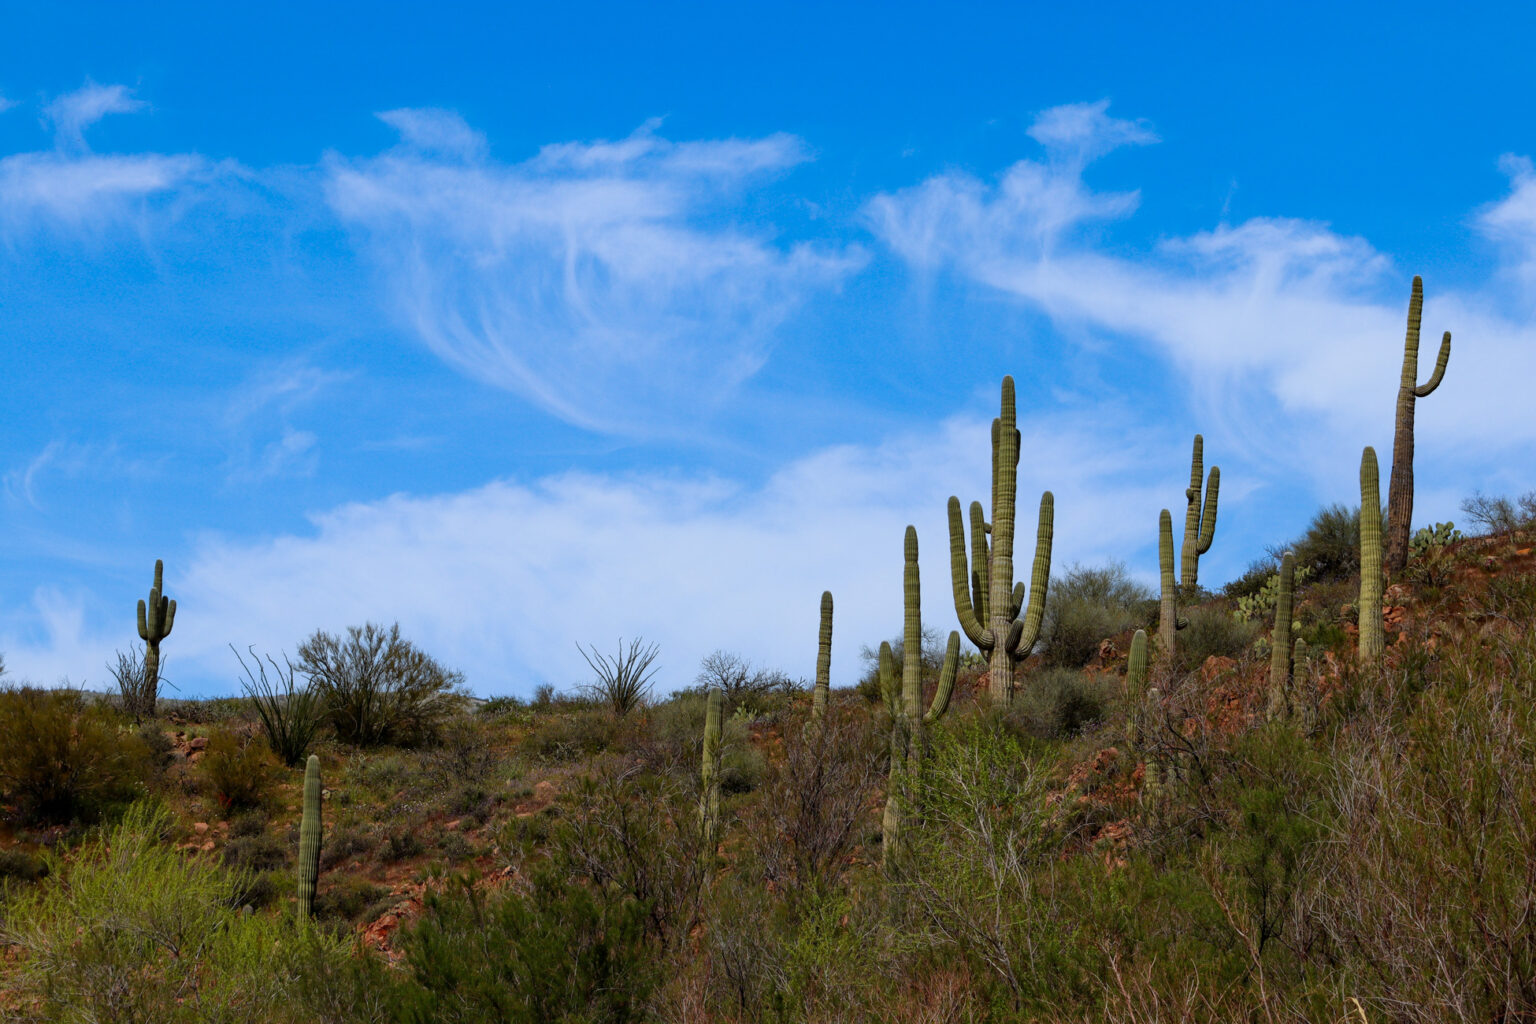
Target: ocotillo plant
[1372,630]
[1199,519]
[155,620]
[907,716]
[823,659]
[1280,642]
[1400,490]
[1169,620]
[986,600]
[309,838]
[709,774]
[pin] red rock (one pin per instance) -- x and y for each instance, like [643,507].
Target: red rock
[198,743]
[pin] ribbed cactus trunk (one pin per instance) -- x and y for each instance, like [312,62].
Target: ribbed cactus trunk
[709,774]
[1168,621]
[1280,642]
[905,701]
[1135,687]
[310,829]
[156,617]
[1372,630]
[1199,519]
[823,660]
[986,600]
[1400,491]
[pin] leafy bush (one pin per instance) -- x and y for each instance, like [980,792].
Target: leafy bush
[141,934]
[1056,702]
[349,898]
[64,758]
[1086,606]
[1213,633]
[1330,547]
[239,770]
[289,713]
[377,687]
[742,684]
[560,953]
[624,680]
[574,736]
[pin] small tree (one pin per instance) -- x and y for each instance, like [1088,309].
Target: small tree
[376,686]
[623,681]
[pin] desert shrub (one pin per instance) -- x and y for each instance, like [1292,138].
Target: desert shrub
[254,853]
[623,681]
[1330,546]
[378,687]
[1252,579]
[1087,605]
[136,688]
[743,684]
[349,898]
[140,934]
[573,736]
[290,714]
[933,648]
[401,843]
[65,758]
[18,865]
[1501,515]
[816,799]
[344,844]
[461,755]
[559,953]
[1213,633]
[239,770]
[742,766]
[675,734]
[1056,702]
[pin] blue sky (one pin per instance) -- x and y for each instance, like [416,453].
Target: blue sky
[525,326]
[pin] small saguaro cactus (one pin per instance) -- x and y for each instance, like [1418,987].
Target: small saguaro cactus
[709,773]
[1199,518]
[1280,642]
[986,600]
[1135,686]
[156,616]
[1400,490]
[310,829]
[823,659]
[908,720]
[1169,620]
[1372,629]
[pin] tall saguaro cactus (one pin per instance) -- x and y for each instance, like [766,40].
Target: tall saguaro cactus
[823,660]
[1280,642]
[1169,620]
[908,720]
[709,773]
[986,600]
[1400,490]
[1372,630]
[1199,518]
[156,616]
[309,838]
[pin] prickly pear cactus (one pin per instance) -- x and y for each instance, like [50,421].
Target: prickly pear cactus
[310,829]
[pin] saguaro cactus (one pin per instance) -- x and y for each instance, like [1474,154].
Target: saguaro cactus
[823,660]
[986,600]
[310,829]
[156,617]
[709,773]
[1400,490]
[1169,620]
[908,720]
[1135,687]
[1199,519]
[1372,630]
[1280,642]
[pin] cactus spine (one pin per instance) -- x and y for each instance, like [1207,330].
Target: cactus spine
[1400,490]
[709,773]
[1169,620]
[310,829]
[986,600]
[156,617]
[1372,631]
[1280,642]
[1199,518]
[908,720]
[823,660]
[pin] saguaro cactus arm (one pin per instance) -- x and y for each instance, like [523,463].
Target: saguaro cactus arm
[970,604]
[1169,620]
[310,831]
[1372,629]
[946,688]
[1039,580]
[1400,488]
[823,658]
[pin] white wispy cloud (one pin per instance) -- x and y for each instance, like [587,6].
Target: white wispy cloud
[1512,220]
[1284,333]
[73,112]
[586,278]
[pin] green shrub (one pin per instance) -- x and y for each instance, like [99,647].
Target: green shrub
[239,770]
[65,758]
[562,953]
[377,687]
[573,736]
[140,934]
[350,898]
[21,866]
[290,714]
[1056,702]
[1213,633]
[1085,607]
